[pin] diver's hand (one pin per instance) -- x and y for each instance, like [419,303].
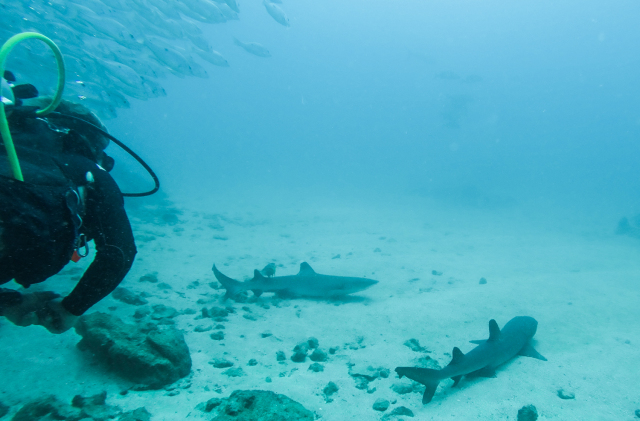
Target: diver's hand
[24,314]
[55,318]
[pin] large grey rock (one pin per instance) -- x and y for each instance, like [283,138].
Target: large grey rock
[251,405]
[155,358]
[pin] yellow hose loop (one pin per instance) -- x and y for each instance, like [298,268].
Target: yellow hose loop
[4,125]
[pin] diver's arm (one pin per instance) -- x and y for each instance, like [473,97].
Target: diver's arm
[107,223]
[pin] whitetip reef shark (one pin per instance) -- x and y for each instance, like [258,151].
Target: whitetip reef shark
[481,361]
[307,283]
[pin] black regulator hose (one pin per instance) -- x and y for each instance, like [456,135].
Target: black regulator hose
[119,143]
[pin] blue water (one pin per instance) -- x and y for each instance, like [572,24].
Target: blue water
[479,139]
[540,102]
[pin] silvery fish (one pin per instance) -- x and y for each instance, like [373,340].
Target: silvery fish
[253,48]
[276,13]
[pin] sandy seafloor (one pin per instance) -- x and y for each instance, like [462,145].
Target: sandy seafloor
[571,272]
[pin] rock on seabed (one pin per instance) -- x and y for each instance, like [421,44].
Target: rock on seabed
[155,358]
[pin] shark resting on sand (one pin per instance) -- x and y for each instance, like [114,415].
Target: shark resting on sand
[481,361]
[307,283]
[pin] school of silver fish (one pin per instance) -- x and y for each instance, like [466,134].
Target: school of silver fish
[119,49]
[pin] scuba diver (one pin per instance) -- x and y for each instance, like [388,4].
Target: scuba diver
[67,198]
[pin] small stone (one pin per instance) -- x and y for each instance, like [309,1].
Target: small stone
[189,311]
[160,311]
[316,367]
[209,405]
[563,394]
[402,388]
[234,372]
[400,411]
[251,317]
[269,270]
[298,357]
[140,414]
[313,343]
[252,362]
[217,336]
[414,345]
[330,389]
[482,281]
[280,356]
[79,401]
[318,355]
[164,286]
[381,405]
[221,363]
[202,328]
[377,250]
[141,313]
[637,413]
[215,312]
[128,297]
[436,273]
[266,334]
[149,277]
[302,347]
[333,350]
[337,256]
[527,413]
[268,379]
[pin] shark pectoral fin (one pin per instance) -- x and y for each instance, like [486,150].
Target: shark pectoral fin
[429,391]
[456,380]
[529,351]
[257,292]
[483,372]
[305,269]
[494,331]
[478,341]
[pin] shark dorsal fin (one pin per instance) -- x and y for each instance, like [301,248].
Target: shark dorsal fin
[494,331]
[305,269]
[457,356]
[257,276]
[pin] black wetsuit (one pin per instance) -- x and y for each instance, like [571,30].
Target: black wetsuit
[40,222]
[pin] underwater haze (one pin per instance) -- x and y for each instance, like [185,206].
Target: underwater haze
[475,102]
[448,168]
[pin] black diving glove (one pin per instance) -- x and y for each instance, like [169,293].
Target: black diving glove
[55,318]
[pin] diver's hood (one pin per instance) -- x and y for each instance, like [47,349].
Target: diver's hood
[12,95]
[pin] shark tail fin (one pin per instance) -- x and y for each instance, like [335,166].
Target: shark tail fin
[232,286]
[428,377]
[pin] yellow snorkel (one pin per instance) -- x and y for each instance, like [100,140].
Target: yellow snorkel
[4,125]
